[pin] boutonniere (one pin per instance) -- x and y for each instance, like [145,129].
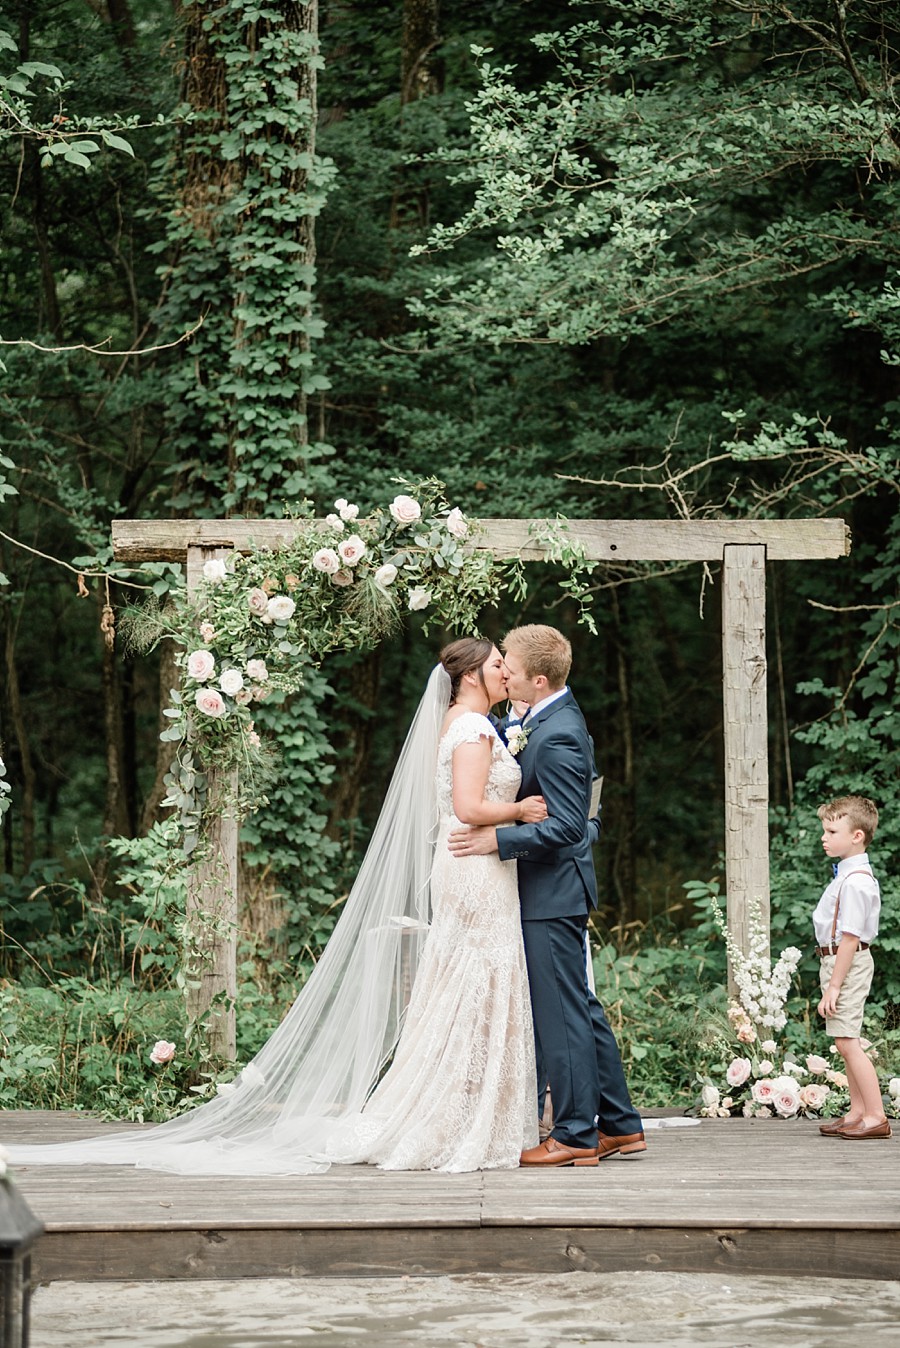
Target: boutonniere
[517,738]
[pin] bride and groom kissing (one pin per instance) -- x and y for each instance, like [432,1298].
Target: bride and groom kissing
[502,1007]
[453,993]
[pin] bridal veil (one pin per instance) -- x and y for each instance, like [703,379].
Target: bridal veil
[330,1049]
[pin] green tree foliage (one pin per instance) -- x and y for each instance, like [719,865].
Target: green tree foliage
[642,264]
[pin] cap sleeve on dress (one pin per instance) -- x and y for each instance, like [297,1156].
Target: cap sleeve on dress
[469,729]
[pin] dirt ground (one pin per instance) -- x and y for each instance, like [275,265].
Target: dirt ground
[482,1310]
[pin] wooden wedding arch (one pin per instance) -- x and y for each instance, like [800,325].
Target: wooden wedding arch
[740,547]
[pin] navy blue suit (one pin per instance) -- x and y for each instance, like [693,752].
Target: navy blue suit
[576,1049]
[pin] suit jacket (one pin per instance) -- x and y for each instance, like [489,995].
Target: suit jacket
[556,869]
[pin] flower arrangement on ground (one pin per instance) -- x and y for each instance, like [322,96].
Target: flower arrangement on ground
[747,1072]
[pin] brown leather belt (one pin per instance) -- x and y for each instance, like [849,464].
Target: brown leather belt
[833,949]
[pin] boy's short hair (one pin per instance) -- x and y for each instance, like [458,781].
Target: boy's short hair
[859,810]
[542,650]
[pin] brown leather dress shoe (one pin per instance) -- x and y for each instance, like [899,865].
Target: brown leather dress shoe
[628,1144]
[554,1152]
[855,1132]
[833,1127]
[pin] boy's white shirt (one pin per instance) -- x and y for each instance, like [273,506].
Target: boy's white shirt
[860,903]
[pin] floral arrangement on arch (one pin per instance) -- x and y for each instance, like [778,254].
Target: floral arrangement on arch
[258,619]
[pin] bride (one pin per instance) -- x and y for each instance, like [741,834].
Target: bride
[425,971]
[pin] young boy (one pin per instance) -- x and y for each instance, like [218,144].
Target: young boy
[846,924]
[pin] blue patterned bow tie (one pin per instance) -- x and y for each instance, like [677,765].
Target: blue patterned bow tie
[834,869]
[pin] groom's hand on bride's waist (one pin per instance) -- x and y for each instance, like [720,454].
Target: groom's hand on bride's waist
[473,842]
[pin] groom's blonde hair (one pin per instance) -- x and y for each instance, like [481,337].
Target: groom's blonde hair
[542,650]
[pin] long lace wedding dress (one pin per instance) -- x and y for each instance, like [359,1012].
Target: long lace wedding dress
[460,1092]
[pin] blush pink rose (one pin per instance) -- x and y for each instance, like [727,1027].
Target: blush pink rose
[256,670]
[746,1034]
[210,702]
[207,631]
[162,1051]
[342,578]
[814,1096]
[763,1091]
[405,510]
[201,665]
[786,1096]
[327,560]
[257,602]
[335,522]
[351,549]
[738,1071]
[816,1064]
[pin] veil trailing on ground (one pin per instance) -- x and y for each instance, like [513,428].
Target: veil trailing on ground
[330,1049]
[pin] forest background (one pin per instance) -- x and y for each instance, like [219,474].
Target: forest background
[599,260]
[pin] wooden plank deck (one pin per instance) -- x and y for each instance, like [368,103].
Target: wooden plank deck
[735,1196]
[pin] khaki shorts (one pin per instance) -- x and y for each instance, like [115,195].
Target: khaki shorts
[847,1021]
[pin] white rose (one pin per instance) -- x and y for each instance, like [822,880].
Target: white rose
[256,670]
[405,510]
[768,1046]
[215,570]
[766,1067]
[327,560]
[457,524]
[347,511]
[207,631]
[231,682]
[210,702]
[815,1063]
[336,523]
[351,550]
[419,599]
[386,575]
[281,607]
[710,1097]
[201,665]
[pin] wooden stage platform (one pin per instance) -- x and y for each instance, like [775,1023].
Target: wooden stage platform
[732,1196]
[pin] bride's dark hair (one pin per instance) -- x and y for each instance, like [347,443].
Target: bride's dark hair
[462,657]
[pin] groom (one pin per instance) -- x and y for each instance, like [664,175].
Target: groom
[575,1046]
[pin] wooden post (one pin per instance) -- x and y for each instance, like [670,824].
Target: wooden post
[746,738]
[211,914]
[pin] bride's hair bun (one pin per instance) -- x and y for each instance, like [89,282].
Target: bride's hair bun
[462,657]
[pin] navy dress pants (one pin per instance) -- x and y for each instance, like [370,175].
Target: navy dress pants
[577,1053]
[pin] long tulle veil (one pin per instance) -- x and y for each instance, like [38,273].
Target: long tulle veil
[324,1058]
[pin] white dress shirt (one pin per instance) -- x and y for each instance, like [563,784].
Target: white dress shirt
[860,903]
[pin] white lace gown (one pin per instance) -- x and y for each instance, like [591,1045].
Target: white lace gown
[460,1092]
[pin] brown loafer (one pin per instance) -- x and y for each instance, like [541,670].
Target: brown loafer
[833,1127]
[855,1132]
[628,1144]
[554,1152]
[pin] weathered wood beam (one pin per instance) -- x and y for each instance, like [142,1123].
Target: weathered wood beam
[603,540]
[211,909]
[746,740]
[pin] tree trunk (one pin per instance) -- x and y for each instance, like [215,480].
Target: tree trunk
[18,723]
